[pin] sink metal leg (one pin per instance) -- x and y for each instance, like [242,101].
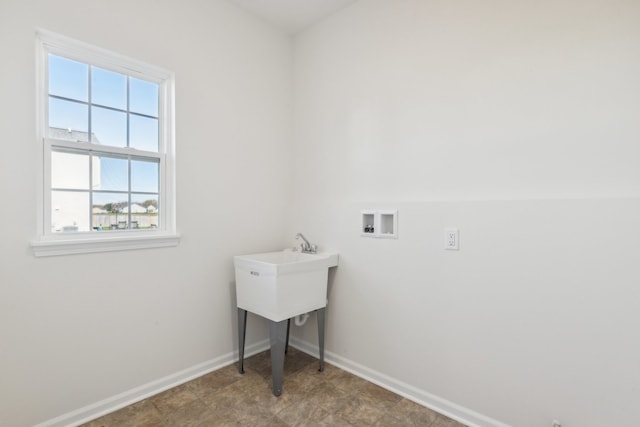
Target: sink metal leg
[242,332]
[277,337]
[286,347]
[321,313]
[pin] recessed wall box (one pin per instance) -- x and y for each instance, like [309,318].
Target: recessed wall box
[368,223]
[389,224]
[380,224]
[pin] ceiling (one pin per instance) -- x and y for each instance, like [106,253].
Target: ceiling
[293,15]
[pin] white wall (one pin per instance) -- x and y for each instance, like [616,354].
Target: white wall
[78,329]
[518,123]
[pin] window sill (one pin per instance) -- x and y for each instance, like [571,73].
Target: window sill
[83,244]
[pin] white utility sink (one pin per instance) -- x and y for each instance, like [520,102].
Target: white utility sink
[284,284]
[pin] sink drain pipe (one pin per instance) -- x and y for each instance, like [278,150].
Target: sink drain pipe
[301,319]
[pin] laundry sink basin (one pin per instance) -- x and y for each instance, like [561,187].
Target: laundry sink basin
[284,284]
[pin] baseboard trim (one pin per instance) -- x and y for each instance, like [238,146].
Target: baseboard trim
[421,397]
[111,404]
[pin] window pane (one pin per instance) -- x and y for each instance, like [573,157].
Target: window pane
[68,78]
[143,97]
[108,127]
[107,211]
[110,173]
[143,133]
[108,88]
[68,120]
[144,211]
[69,211]
[144,176]
[69,170]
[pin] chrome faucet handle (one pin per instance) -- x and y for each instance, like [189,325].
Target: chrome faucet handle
[306,246]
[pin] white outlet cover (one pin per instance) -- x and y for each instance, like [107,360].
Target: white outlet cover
[451,239]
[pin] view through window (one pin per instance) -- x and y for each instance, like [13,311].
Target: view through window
[104,143]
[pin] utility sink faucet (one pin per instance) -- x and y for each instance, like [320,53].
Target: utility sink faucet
[306,247]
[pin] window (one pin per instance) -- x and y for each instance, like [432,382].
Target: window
[105,125]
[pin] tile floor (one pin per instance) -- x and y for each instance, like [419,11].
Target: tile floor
[309,398]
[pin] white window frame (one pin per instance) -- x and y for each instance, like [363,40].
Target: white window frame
[48,243]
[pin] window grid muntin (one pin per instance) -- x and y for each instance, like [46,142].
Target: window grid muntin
[129,127]
[90,110]
[104,106]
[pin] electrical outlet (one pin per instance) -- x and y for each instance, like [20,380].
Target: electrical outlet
[451,239]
